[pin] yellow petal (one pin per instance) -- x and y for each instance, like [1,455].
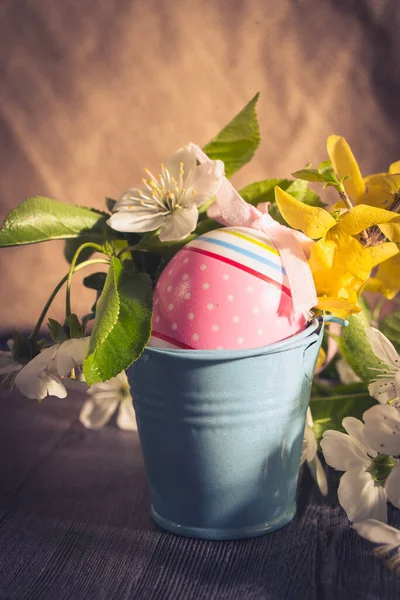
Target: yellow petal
[321,358]
[311,220]
[341,265]
[381,253]
[362,217]
[388,274]
[391,230]
[338,307]
[380,189]
[322,255]
[344,163]
[373,285]
[394,167]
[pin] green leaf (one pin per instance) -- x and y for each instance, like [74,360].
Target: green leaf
[40,219]
[329,410]
[356,349]
[310,175]
[263,191]
[326,165]
[75,328]
[123,323]
[72,245]
[238,141]
[57,331]
[390,326]
[95,281]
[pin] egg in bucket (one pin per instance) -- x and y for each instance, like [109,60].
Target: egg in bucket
[222,389]
[227,289]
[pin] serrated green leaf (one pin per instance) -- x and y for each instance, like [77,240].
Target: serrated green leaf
[41,219]
[263,191]
[57,331]
[390,326]
[356,349]
[75,328]
[123,323]
[328,411]
[238,141]
[95,281]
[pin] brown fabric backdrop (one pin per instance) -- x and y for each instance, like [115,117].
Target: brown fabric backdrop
[92,92]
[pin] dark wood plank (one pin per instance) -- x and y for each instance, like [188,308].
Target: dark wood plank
[76,525]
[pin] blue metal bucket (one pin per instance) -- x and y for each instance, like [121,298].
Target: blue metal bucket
[221,434]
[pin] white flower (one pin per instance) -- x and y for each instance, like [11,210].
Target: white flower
[346,373]
[103,402]
[37,380]
[388,537]
[42,376]
[7,362]
[382,428]
[310,454]
[170,201]
[386,388]
[359,493]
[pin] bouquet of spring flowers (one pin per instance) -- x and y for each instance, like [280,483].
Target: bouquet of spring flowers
[352,247]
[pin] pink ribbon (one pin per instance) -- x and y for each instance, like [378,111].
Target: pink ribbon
[230,209]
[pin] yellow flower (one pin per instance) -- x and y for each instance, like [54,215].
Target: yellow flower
[382,191]
[340,264]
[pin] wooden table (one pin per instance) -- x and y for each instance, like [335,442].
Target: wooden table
[75,524]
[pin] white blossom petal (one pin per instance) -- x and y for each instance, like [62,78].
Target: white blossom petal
[378,532]
[383,389]
[397,385]
[392,486]
[139,220]
[355,428]
[318,473]
[51,385]
[8,364]
[205,182]
[96,411]
[343,452]
[186,156]
[126,418]
[179,224]
[34,381]
[71,354]
[360,497]
[382,429]
[345,372]
[128,200]
[383,348]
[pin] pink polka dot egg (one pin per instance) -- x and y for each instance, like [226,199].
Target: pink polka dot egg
[227,289]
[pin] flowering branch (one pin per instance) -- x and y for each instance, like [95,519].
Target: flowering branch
[58,287]
[72,269]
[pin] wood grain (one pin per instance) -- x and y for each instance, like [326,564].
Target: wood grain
[75,525]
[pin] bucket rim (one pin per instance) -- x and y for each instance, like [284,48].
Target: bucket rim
[293,341]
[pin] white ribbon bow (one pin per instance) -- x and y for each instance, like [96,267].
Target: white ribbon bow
[230,209]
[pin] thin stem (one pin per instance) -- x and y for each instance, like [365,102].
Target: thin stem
[349,205]
[58,288]
[345,197]
[126,249]
[72,269]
